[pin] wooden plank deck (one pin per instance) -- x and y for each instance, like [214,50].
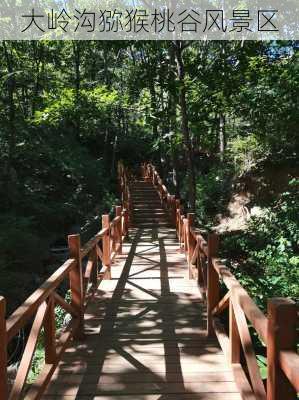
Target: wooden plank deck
[145,330]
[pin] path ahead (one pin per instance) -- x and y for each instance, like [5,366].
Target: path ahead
[145,330]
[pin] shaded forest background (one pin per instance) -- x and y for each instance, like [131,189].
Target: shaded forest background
[218,119]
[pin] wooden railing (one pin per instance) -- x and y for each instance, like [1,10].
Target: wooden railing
[84,270]
[277,330]
[124,189]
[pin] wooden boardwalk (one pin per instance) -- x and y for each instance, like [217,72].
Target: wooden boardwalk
[145,330]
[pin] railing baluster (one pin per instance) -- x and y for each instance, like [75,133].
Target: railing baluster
[234,338]
[182,233]
[129,202]
[26,360]
[177,217]
[185,233]
[50,332]
[126,222]
[76,283]
[190,222]
[173,210]
[213,296]
[106,245]
[94,271]
[3,351]
[118,211]
[282,335]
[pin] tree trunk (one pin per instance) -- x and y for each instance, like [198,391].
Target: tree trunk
[155,131]
[114,154]
[38,56]
[222,136]
[106,148]
[76,50]
[9,170]
[185,124]
[171,119]
[115,143]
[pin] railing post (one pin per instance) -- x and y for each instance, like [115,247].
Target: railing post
[118,210]
[168,201]
[185,234]
[234,338]
[106,245]
[146,172]
[94,272]
[76,283]
[173,209]
[122,221]
[282,335]
[130,217]
[50,332]
[177,217]
[126,221]
[182,231]
[213,281]
[3,351]
[190,222]
[143,171]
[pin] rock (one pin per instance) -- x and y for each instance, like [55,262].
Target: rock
[257,211]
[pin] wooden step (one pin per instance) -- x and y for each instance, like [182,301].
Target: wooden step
[145,330]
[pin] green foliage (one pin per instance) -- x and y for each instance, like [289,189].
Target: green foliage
[38,360]
[59,109]
[262,363]
[70,110]
[213,191]
[269,249]
[95,106]
[247,152]
[268,101]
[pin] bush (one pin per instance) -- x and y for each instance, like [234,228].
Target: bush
[247,152]
[20,246]
[268,264]
[213,192]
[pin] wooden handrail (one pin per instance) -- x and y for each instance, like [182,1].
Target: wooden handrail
[252,312]
[24,313]
[116,220]
[40,305]
[92,242]
[277,330]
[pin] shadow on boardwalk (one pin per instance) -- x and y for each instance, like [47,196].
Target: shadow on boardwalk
[168,328]
[146,339]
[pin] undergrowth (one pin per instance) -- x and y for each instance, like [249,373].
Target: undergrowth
[265,257]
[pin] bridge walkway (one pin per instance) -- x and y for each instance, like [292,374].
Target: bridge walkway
[145,330]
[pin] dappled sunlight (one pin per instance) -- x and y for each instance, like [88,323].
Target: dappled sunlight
[146,332]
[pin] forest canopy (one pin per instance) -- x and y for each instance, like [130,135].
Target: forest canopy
[218,119]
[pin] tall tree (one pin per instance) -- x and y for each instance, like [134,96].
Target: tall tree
[179,47]
[9,169]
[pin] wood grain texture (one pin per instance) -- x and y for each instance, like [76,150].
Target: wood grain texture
[145,330]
